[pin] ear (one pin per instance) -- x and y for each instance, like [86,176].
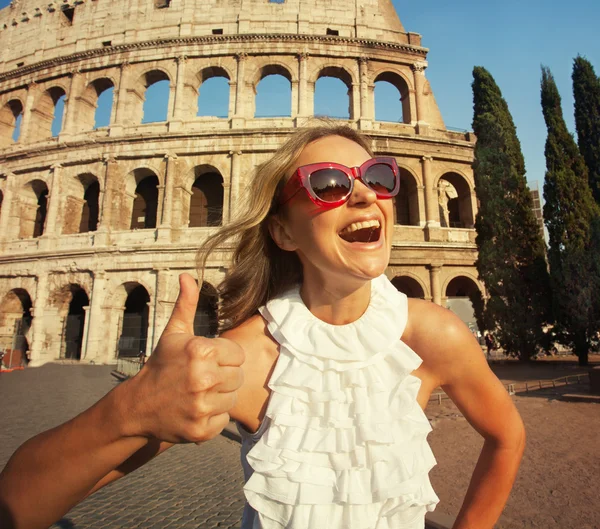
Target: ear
[280,234]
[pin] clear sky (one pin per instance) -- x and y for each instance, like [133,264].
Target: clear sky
[512,39]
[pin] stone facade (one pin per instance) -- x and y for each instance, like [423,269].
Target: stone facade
[97,223]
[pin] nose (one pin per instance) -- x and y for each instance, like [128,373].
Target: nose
[361,194]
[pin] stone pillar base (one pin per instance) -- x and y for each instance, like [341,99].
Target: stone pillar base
[433,233]
[238,123]
[365,124]
[163,234]
[422,129]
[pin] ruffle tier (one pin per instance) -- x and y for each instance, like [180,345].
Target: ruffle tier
[346,445]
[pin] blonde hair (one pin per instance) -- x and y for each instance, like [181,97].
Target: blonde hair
[260,270]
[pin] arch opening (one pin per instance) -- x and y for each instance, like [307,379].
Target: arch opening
[409,286]
[11,117]
[205,319]
[74,323]
[333,94]
[47,114]
[459,293]
[34,207]
[406,203]
[213,93]
[145,203]
[273,93]
[134,323]
[155,106]
[90,208]
[454,199]
[392,98]
[206,202]
[15,323]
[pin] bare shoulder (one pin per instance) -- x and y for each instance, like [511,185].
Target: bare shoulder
[261,353]
[441,339]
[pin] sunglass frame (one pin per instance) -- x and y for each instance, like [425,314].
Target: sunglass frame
[301,179]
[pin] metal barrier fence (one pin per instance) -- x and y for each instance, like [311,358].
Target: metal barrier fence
[129,367]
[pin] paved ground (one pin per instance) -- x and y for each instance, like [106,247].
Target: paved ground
[187,487]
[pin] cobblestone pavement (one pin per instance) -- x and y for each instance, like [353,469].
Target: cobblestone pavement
[187,487]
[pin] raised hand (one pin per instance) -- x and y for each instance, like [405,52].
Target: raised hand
[189,384]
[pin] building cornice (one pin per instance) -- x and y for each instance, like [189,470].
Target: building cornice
[208,39]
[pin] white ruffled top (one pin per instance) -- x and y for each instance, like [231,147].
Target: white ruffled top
[346,444]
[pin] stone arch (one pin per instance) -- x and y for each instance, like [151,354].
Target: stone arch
[406,203]
[216,77]
[15,324]
[343,75]
[44,113]
[409,285]
[88,103]
[206,194]
[458,291]
[403,87]
[148,79]
[142,188]
[454,201]
[132,300]
[69,304]
[279,73]
[10,122]
[82,206]
[206,321]
[34,208]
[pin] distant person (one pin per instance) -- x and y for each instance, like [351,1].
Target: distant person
[489,343]
[325,366]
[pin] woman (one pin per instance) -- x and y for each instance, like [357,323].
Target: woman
[325,366]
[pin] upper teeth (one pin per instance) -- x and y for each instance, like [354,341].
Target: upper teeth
[361,226]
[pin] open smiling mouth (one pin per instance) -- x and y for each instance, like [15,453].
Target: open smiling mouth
[366,231]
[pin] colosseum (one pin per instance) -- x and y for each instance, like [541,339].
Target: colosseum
[97,220]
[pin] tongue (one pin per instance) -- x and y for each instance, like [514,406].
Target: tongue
[364,235]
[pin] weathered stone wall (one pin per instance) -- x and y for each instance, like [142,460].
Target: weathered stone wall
[38,172]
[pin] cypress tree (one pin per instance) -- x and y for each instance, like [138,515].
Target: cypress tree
[586,90]
[569,213]
[511,260]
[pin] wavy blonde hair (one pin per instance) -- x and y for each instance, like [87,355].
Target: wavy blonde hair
[260,270]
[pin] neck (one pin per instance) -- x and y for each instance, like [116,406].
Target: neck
[336,304]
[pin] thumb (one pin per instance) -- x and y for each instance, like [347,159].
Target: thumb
[184,311]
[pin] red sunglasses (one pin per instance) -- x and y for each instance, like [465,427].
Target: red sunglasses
[330,185]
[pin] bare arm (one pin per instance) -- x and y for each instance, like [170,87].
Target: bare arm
[461,369]
[183,394]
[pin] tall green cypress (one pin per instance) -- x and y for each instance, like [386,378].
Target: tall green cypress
[511,261]
[569,212]
[586,90]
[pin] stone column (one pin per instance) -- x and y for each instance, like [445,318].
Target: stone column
[71,108]
[432,221]
[104,223]
[366,106]
[32,93]
[121,99]
[170,172]
[54,201]
[7,201]
[179,103]
[150,334]
[234,188]
[303,99]
[422,210]
[160,313]
[95,343]
[39,354]
[418,69]
[240,111]
[436,287]
[86,330]
[431,200]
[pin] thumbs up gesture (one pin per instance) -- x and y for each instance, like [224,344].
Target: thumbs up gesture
[189,384]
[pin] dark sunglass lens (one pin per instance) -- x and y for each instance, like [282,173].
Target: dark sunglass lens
[381,179]
[330,185]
